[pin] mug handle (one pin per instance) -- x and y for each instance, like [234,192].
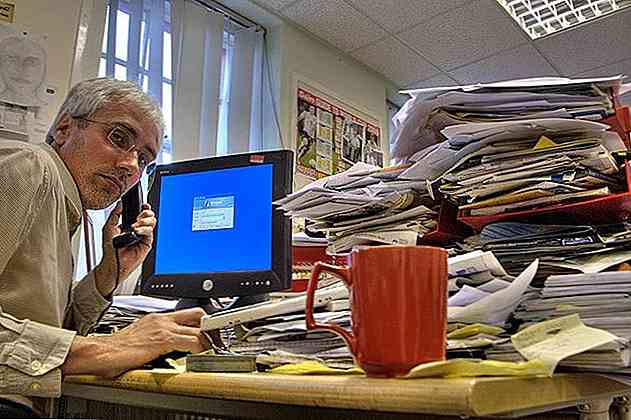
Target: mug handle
[345,274]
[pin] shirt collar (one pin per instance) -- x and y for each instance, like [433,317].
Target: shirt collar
[73,199]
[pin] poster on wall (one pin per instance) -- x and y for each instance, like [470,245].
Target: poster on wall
[7,12]
[331,138]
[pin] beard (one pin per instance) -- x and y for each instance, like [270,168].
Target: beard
[99,194]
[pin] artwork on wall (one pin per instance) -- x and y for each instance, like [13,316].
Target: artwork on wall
[331,136]
[23,90]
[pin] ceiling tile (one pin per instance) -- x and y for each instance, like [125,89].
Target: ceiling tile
[436,81]
[335,22]
[465,35]
[274,4]
[518,63]
[395,61]
[621,67]
[396,15]
[604,41]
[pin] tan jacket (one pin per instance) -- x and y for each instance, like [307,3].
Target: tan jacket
[40,308]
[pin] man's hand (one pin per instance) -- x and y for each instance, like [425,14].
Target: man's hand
[130,257]
[137,344]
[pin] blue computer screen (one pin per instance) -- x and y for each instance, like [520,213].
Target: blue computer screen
[215,221]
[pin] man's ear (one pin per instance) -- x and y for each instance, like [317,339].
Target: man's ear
[62,131]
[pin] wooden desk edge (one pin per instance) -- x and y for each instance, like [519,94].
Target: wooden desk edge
[474,397]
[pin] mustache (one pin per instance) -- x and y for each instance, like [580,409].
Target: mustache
[120,177]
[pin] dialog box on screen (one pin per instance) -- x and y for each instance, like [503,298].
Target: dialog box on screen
[211,213]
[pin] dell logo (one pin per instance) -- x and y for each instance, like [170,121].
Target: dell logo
[207,285]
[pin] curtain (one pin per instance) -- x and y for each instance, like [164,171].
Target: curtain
[197,58]
[244,125]
[217,105]
[88,41]
[144,52]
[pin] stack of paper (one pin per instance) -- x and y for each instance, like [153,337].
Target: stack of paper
[471,340]
[603,300]
[493,168]
[568,342]
[364,205]
[127,309]
[419,122]
[285,339]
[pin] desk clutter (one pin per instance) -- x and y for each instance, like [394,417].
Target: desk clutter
[526,184]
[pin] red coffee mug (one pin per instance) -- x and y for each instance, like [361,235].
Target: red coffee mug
[398,306]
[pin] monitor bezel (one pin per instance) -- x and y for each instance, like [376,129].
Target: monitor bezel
[236,283]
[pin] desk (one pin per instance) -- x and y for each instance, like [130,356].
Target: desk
[260,395]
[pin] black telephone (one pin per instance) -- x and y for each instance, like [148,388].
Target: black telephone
[132,206]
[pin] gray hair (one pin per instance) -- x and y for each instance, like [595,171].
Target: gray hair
[89,96]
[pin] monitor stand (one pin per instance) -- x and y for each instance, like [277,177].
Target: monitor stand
[211,308]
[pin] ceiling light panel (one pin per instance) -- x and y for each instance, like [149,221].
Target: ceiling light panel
[543,17]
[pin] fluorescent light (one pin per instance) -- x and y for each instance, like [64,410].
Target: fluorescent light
[543,17]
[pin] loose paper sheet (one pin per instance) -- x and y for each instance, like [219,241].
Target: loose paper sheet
[495,308]
[554,340]
[472,367]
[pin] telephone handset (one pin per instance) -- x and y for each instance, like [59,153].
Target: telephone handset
[132,206]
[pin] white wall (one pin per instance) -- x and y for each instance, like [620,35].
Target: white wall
[295,55]
[305,57]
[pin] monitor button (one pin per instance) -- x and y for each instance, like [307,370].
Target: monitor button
[207,285]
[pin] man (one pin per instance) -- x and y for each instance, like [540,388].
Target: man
[307,122]
[104,136]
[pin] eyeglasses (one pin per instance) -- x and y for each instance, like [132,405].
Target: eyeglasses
[124,140]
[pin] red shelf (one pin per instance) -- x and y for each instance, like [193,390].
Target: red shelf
[620,122]
[449,228]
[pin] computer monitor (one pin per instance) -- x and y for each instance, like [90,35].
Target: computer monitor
[218,234]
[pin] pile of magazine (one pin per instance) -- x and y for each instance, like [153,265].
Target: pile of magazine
[602,300]
[364,205]
[493,168]
[513,146]
[421,120]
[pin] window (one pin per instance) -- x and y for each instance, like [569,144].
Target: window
[119,61]
[134,49]
[126,54]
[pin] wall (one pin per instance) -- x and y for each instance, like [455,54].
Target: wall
[295,55]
